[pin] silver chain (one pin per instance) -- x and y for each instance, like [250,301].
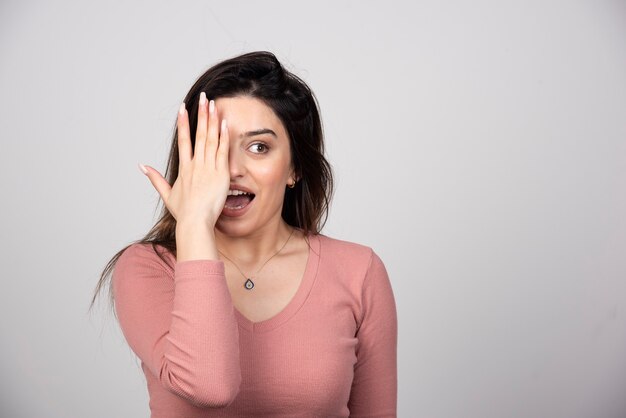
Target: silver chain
[249,284]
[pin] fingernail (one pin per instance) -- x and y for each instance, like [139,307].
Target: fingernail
[181,109]
[143,168]
[223,125]
[211,106]
[202,98]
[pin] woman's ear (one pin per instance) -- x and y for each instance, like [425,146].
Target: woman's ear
[292,175]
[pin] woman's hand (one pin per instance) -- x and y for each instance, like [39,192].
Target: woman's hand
[199,192]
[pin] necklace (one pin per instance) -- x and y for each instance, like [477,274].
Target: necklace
[249,284]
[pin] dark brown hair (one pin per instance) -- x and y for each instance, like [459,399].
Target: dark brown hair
[259,75]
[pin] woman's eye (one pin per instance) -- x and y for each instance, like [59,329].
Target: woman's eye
[264,148]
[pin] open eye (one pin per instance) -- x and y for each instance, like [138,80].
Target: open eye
[263,147]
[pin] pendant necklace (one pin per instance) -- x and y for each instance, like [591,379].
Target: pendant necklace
[249,284]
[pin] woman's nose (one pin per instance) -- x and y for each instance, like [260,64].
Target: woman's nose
[235,163]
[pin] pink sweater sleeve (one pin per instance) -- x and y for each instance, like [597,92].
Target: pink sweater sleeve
[181,325]
[374,387]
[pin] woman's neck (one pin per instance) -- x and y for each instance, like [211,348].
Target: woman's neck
[258,246]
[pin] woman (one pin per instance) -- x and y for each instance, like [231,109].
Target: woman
[235,303]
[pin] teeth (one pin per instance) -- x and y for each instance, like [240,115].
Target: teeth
[236,193]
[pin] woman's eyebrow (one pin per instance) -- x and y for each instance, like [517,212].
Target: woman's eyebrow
[259,132]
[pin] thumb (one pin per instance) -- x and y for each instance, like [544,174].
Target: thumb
[160,184]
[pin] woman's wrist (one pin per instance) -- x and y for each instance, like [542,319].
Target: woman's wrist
[195,242]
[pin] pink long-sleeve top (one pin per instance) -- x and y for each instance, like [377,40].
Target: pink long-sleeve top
[331,352]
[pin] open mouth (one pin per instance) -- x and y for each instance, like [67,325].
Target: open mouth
[239,202]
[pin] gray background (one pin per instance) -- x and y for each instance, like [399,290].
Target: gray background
[479,147]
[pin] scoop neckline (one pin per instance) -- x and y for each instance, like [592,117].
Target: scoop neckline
[296,302]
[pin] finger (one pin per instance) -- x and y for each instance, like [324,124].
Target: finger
[221,161]
[184,138]
[160,184]
[201,129]
[211,141]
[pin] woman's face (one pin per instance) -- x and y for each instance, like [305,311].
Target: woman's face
[258,161]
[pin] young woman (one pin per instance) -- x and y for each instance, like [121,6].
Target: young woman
[235,303]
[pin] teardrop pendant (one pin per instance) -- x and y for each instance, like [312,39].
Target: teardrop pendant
[249,284]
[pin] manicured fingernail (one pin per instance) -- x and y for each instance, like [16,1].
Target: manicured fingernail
[202,98]
[143,168]
[181,109]
[223,125]
[211,106]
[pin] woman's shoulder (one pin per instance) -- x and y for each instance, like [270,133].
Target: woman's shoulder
[146,255]
[345,251]
[355,265]
[145,249]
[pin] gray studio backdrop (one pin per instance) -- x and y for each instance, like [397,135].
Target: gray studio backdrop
[479,147]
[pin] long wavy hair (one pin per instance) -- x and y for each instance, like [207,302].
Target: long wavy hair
[259,75]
